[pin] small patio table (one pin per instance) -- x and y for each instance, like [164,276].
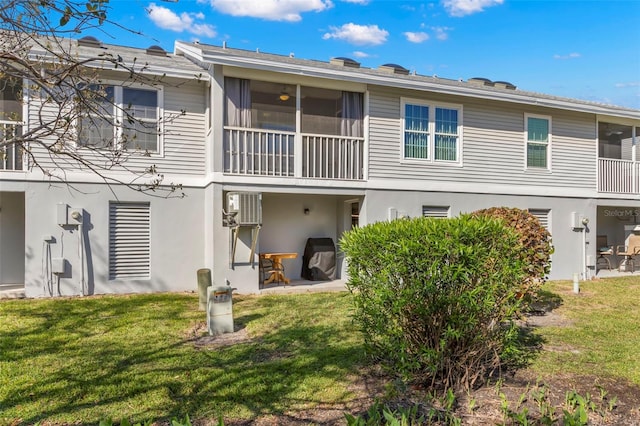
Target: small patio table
[278,269]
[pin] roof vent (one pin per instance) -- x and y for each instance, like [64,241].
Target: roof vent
[156,50]
[345,62]
[394,69]
[89,41]
[504,85]
[480,81]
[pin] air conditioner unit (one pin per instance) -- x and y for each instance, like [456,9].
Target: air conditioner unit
[245,208]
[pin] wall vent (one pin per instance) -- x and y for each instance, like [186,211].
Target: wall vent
[345,62]
[89,41]
[394,69]
[156,50]
[504,85]
[480,81]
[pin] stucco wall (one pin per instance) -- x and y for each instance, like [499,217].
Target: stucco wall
[177,241]
[11,238]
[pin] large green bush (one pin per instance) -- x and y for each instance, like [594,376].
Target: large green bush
[535,243]
[435,298]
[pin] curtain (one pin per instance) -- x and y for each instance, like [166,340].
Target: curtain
[238,102]
[352,113]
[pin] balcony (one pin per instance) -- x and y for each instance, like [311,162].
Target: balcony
[11,156]
[618,176]
[260,152]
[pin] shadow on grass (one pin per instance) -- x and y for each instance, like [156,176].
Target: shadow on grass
[79,360]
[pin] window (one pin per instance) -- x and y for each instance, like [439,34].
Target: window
[122,117]
[537,132]
[430,128]
[129,240]
[438,212]
[331,112]
[11,157]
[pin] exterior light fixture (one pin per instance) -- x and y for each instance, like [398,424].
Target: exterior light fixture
[284,96]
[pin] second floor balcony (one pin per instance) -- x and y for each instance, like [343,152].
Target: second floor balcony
[287,154]
[618,165]
[286,130]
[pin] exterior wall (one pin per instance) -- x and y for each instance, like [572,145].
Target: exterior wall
[285,228]
[568,242]
[183,139]
[176,238]
[12,238]
[493,144]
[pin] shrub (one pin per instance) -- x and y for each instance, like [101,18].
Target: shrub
[435,298]
[535,242]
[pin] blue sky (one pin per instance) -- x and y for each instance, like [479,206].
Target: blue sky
[588,49]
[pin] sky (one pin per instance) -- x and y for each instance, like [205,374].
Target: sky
[581,49]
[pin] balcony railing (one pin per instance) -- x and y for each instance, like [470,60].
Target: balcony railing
[11,155]
[618,176]
[276,153]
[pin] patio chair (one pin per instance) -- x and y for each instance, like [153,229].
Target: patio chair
[605,251]
[268,268]
[629,251]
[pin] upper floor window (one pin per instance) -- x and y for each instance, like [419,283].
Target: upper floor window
[10,100]
[273,106]
[260,104]
[431,131]
[538,139]
[123,117]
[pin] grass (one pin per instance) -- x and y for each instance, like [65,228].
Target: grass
[71,360]
[84,359]
[601,336]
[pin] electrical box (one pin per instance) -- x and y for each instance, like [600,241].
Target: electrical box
[577,220]
[62,214]
[245,208]
[58,266]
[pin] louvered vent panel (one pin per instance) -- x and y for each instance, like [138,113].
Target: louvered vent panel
[129,240]
[439,212]
[543,216]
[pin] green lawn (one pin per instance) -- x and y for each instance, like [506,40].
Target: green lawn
[84,359]
[602,336]
[79,360]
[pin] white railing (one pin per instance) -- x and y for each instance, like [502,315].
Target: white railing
[258,152]
[618,176]
[11,156]
[272,153]
[332,157]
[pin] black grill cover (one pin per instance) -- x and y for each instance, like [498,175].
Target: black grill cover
[319,260]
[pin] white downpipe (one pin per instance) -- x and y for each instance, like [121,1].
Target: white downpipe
[585,271]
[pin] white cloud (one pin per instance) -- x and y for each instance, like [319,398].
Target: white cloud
[356,1]
[630,84]
[416,37]
[569,56]
[468,7]
[358,34]
[169,20]
[442,33]
[360,54]
[272,10]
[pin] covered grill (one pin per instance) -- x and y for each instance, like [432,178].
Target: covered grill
[319,260]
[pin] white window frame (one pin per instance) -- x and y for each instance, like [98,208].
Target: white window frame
[431,131]
[526,142]
[119,116]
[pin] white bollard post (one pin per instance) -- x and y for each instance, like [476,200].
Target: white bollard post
[576,283]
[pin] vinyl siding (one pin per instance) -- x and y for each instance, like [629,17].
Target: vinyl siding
[183,138]
[493,144]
